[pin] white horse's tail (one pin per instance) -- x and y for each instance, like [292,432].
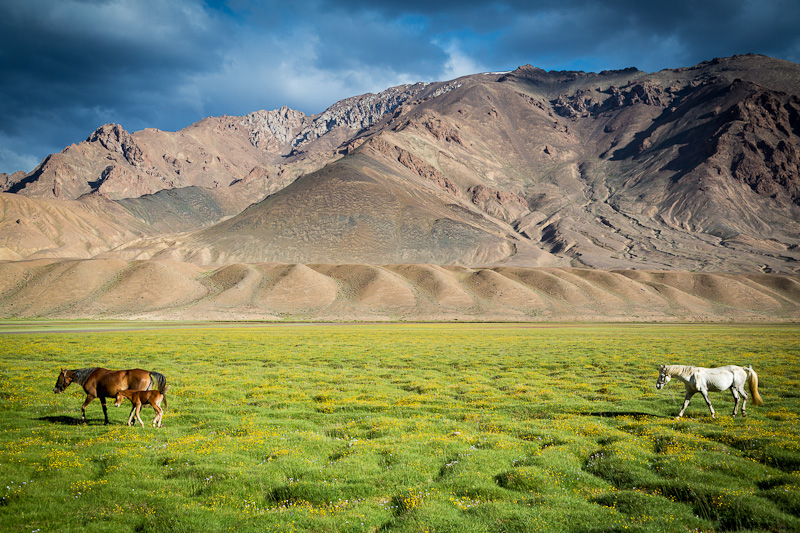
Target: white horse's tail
[752,382]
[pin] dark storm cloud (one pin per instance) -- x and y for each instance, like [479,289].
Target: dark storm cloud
[100,54]
[608,34]
[69,66]
[652,36]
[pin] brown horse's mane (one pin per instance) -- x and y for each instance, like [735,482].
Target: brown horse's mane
[80,375]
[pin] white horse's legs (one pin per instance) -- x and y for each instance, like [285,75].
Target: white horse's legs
[708,402]
[685,403]
[737,398]
[744,402]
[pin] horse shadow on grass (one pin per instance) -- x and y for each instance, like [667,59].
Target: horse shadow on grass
[620,414]
[69,421]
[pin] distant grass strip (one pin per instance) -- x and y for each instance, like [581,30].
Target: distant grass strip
[458,427]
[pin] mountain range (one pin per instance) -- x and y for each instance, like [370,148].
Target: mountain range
[693,170]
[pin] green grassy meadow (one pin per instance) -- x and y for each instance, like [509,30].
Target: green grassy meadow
[401,427]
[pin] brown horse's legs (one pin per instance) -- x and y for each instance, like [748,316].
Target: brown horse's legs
[130,418]
[86,402]
[105,409]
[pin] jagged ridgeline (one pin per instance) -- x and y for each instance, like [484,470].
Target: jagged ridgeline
[693,169]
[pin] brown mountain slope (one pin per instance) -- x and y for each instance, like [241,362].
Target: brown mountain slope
[350,211]
[179,291]
[692,169]
[33,228]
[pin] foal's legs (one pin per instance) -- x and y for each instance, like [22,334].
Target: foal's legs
[139,418]
[159,414]
[133,410]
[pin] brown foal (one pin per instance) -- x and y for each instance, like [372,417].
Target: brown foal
[140,398]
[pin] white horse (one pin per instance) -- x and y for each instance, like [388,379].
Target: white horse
[704,380]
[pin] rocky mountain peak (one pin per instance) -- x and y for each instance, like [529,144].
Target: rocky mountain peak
[566,78]
[358,112]
[272,130]
[115,139]
[111,136]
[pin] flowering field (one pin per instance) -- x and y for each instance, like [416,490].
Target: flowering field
[458,427]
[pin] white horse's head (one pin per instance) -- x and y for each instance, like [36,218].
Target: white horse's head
[663,377]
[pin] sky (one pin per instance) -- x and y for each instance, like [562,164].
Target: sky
[70,66]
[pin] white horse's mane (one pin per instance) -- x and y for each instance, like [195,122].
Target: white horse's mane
[679,370]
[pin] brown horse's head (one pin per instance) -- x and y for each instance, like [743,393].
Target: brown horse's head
[64,379]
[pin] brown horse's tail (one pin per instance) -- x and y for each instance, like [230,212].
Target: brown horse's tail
[752,382]
[158,382]
[164,392]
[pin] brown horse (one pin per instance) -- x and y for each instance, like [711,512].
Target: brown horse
[103,383]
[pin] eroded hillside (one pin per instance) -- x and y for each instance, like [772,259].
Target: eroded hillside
[171,290]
